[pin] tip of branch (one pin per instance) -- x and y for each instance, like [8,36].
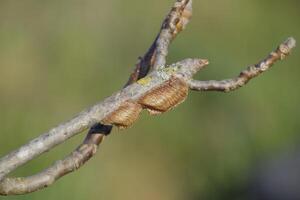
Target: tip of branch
[290,42]
[286,47]
[191,66]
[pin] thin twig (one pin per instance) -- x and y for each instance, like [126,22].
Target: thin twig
[245,76]
[174,23]
[16,186]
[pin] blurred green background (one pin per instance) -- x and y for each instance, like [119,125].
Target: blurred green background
[58,57]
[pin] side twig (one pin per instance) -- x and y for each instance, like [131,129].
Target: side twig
[16,186]
[245,76]
[174,23]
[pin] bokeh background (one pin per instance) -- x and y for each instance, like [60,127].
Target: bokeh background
[58,57]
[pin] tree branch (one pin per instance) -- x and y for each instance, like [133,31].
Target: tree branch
[97,113]
[9,186]
[16,186]
[161,90]
[245,76]
[174,23]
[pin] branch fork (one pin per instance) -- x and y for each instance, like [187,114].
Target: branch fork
[153,86]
